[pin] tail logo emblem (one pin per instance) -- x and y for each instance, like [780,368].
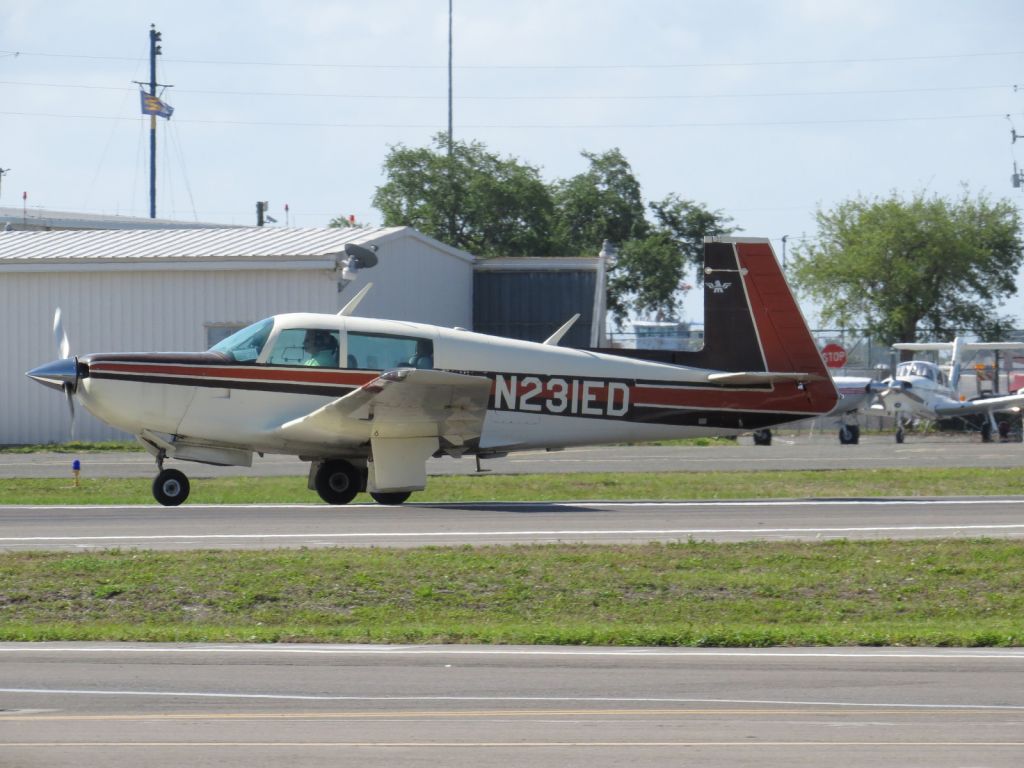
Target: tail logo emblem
[718,286]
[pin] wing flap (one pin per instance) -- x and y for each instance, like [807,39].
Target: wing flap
[403,403]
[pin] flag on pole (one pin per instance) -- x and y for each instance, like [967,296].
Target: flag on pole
[151,105]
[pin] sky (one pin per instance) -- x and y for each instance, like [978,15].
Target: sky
[766,111]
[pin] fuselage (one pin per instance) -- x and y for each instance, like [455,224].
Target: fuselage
[917,390]
[542,396]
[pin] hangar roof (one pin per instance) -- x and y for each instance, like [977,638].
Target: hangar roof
[36,219]
[160,247]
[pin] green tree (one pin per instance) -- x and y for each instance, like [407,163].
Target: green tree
[494,206]
[602,203]
[648,276]
[906,270]
[688,223]
[472,199]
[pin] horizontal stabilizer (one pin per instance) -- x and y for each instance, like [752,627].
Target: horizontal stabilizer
[761,377]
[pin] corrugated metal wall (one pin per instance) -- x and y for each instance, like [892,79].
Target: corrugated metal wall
[141,309]
[126,311]
[532,305]
[415,282]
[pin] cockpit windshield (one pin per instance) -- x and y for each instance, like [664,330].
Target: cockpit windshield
[244,346]
[920,368]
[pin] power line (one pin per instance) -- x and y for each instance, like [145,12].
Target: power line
[618,126]
[537,97]
[599,67]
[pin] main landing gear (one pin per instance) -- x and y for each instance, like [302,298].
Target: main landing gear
[338,481]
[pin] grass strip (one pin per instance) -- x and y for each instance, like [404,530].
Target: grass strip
[852,483]
[935,593]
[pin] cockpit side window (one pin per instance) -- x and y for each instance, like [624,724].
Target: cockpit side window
[244,346]
[311,347]
[380,351]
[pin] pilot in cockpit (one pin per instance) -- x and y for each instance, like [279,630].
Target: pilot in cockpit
[322,348]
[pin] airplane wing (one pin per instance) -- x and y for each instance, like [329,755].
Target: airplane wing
[984,405]
[403,403]
[760,377]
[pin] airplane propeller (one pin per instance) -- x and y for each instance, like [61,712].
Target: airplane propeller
[64,351]
[61,374]
[63,347]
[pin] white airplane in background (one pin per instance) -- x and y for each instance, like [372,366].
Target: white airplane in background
[368,401]
[855,395]
[921,389]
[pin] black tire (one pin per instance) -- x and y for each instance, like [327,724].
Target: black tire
[986,432]
[899,435]
[392,498]
[849,434]
[337,482]
[763,437]
[170,487]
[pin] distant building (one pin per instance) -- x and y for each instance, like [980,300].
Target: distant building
[184,289]
[677,335]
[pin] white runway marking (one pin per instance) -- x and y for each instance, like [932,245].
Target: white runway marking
[564,533]
[927,654]
[513,699]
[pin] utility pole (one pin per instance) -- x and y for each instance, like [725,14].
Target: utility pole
[449,78]
[154,51]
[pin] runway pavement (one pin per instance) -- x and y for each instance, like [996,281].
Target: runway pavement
[75,528]
[797,452]
[166,705]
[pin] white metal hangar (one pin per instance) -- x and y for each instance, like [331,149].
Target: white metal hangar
[185,289]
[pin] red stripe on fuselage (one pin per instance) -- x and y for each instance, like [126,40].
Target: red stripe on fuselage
[311,375]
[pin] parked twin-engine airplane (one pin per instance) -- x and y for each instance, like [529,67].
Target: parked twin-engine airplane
[368,401]
[921,389]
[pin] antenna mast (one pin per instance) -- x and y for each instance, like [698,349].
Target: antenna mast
[449,78]
[154,51]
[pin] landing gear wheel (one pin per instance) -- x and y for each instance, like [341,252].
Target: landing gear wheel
[763,437]
[337,482]
[170,487]
[393,498]
[899,435]
[986,432]
[849,434]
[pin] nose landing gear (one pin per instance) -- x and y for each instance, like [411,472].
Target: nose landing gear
[170,486]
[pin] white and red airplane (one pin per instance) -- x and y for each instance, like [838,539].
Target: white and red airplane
[368,401]
[922,389]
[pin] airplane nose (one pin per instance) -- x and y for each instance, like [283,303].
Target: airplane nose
[58,374]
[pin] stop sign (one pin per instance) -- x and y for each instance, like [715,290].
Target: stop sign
[833,355]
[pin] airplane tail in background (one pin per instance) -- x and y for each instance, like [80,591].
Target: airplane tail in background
[752,322]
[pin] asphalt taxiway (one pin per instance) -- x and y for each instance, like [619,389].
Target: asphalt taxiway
[161,705]
[819,451]
[262,526]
